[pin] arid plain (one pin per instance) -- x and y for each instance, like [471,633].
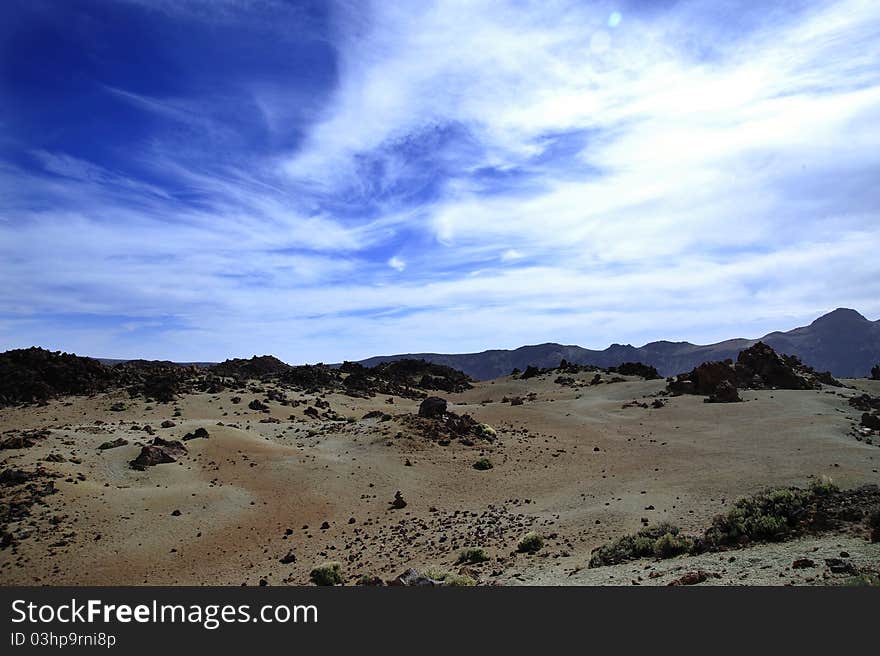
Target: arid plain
[273,492]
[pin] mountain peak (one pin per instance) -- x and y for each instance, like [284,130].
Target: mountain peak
[838,317]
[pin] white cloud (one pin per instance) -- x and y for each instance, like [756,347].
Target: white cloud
[719,179]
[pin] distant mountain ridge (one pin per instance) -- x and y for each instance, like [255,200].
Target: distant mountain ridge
[842,342]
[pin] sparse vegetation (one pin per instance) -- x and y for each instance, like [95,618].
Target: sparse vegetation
[766,517]
[866,580]
[369,580]
[669,545]
[327,574]
[770,516]
[530,543]
[823,486]
[874,525]
[472,556]
[483,464]
[449,578]
[661,540]
[487,432]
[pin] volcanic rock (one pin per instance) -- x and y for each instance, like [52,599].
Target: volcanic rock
[119,441]
[433,407]
[725,392]
[871,421]
[413,578]
[198,433]
[636,369]
[159,452]
[398,502]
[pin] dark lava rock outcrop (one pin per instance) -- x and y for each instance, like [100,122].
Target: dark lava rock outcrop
[154,379]
[35,375]
[159,452]
[725,392]
[636,369]
[404,378]
[757,367]
[260,367]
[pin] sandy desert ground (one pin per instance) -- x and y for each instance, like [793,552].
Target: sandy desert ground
[570,463]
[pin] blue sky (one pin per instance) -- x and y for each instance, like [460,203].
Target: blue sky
[196,180]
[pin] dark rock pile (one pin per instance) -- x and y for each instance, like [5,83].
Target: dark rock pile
[758,367]
[406,378]
[18,439]
[636,369]
[436,422]
[625,369]
[159,380]
[35,375]
[313,378]
[865,402]
[261,367]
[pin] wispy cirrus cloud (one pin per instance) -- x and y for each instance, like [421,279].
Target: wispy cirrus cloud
[383,177]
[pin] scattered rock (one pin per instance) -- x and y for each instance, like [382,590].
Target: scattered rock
[199,432]
[413,578]
[119,441]
[157,453]
[399,501]
[693,578]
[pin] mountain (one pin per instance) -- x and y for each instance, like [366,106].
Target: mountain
[842,342]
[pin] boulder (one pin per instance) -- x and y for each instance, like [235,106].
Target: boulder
[119,441]
[693,578]
[199,432]
[871,421]
[159,452]
[411,578]
[726,392]
[398,502]
[432,407]
[704,379]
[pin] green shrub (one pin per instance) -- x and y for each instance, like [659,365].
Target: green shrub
[327,574]
[483,464]
[669,545]
[530,543]
[863,581]
[767,516]
[449,578]
[487,432]
[823,487]
[660,540]
[472,556]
